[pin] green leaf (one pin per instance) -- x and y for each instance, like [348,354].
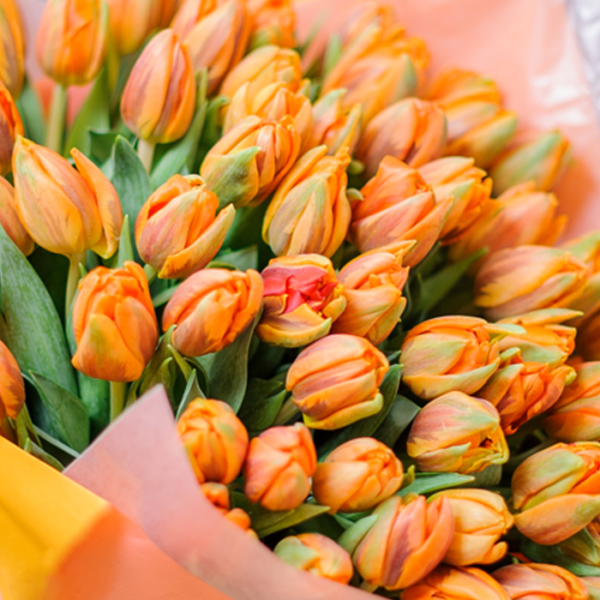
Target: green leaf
[31,113]
[67,413]
[56,448]
[191,392]
[101,145]
[427,483]
[53,270]
[31,327]
[164,296]
[94,114]
[125,251]
[35,450]
[242,260]
[401,415]
[211,133]
[333,53]
[262,402]
[555,556]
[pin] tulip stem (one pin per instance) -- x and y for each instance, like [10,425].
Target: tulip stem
[151,273]
[56,121]
[146,153]
[287,412]
[117,399]
[73,279]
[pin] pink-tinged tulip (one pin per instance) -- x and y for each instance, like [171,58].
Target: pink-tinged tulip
[401,542]
[215,440]
[541,160]
[263,67]
[279,465]
[302,298]
[159,97]
[481,518]
[11,128]
[12,49]
[593,586]
[114,324]
[398,206]
[249,162]
[357,476]
[450,354]
[211,308]
[527,278]
[132,21]
[576,415]
[557,492]
[373,285]
[456,583]
[412,130]
[273,22]
[584,546]
[335,381]
[367,16]
[178,230]
[64,210]
[456,176]
[72,39]
[215,32]
[272,104]
[316,554]
[333,125]
[12,386]
[544,582]
[520,216]
[586,248]
[9,219]
[310,211]
[457,433]
[218,495]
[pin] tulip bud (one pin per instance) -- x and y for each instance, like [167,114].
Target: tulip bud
[12,386]
[9,219]
[211,308]
[586,248]
[373,285]
[541,160]
[178,230]
[159,97]
[593,586]
[215,440]
[216,35]
[451,583]
[335,381]
[11,127]
[273,23]
[406,540]
[64,210]
[114,324]
[310,212]
[576,415]
[132,21]
[12,49]
[557,491]
[527,278]
[279,465]
[540,581]
[249,162]
[357,476]
[457,433]
[367,16]
[333,125]
[519,217]
[588,339]
[398,205]
[316,554]
[584,546]
[302,299]
[263,67]
[218,495]
[412,130]
[72,40]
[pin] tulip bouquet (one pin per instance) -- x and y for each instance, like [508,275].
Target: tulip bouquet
[344,273]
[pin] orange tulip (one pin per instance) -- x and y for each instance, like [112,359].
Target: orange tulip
[302,300]
[247,164]
[584,546]
[398,206]
[12,386]
[273,23]
[366,17]
[451,583]
[160,94]
[114,324]
[9,219]
[216,34]
[218,495]
[593,586]
[178,230]
[373,285]
[557,491]
[357,476]
[310,211]
[132,21]
[72,40]
[215,440]
[335,381]
[11,127]
[527,278]
[547,582]
[481,518]
[279,465]
[64,210]
[211,308]
[12,49]
[457,433]
[412,130]
[316,554]
[406,540]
